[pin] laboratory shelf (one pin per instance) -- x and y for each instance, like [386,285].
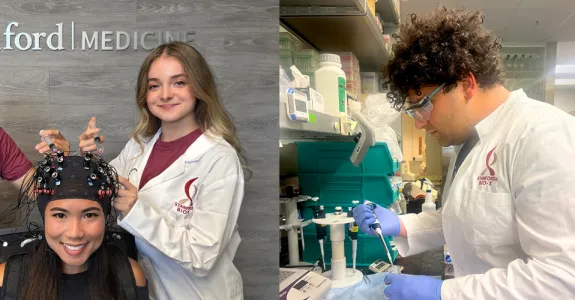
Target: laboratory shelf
[337,26]
[321,127]
[388,12]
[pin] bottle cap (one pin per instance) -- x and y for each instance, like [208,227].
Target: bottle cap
[329,57]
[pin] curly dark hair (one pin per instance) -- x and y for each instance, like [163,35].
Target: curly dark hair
[442,47]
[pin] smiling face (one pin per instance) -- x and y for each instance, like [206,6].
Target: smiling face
[74,229]
[169,95]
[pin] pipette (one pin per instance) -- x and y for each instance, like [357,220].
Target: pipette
[51,145]
[376,227]
[353,230]
[319,213]
[99,145]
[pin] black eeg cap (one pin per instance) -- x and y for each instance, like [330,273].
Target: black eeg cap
[74,177]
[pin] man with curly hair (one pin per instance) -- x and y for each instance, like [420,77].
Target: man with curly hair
[509,200]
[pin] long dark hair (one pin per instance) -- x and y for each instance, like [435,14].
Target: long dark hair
[44,274]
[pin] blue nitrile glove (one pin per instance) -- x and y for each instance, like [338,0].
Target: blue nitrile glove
[412,287]
[388,221]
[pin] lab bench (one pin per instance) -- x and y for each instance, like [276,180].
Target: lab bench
[428,263]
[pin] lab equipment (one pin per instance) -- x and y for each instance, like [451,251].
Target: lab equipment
[315,99]
[326,171]
[292,225]
[338,210]
[353,230]
[417,190]
[379,266]
[330,82]
[353,237]
[412,287]
[375,226]
[300,80]
[298,284]
[99,146]
[51,145]
[321,230]
[364,139]
[429,205]
[339,274]
[364,215]
[297,106]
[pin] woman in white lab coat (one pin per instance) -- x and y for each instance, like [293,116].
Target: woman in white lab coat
[509,202]
[182,177]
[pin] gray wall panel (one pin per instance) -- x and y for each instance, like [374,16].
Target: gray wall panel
[23,85]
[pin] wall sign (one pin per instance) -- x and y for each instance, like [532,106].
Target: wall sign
[96,40]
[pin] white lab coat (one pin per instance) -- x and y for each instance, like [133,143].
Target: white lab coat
[187,254]
[509,217]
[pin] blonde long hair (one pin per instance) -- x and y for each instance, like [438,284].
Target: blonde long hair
[209,112]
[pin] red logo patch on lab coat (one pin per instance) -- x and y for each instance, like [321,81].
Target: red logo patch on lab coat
[488,176]
[184,206]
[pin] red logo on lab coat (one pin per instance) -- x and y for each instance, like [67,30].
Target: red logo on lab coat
[184,206]
[488,176]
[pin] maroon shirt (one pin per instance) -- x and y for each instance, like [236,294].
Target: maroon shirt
[165,154]
[13,162]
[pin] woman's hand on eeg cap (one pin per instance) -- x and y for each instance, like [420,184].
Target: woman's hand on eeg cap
[87,143]
[127,196]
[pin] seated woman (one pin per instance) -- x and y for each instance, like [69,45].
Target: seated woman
[74,258]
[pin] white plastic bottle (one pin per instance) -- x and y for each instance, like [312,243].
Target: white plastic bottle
[429,205]
[330,82]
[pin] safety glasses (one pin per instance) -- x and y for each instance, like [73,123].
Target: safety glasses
[422,109]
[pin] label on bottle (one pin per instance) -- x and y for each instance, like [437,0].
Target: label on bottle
[341,89]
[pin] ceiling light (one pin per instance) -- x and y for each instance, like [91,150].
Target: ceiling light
[565,69]
[564,81]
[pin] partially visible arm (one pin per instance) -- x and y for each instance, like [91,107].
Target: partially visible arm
[18,182]
[420,232]
[2,269]
[13,163]
[138,273]
[402,230]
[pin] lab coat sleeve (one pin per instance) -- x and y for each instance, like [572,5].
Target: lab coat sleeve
[542,181]
[424,232]
[198,245]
